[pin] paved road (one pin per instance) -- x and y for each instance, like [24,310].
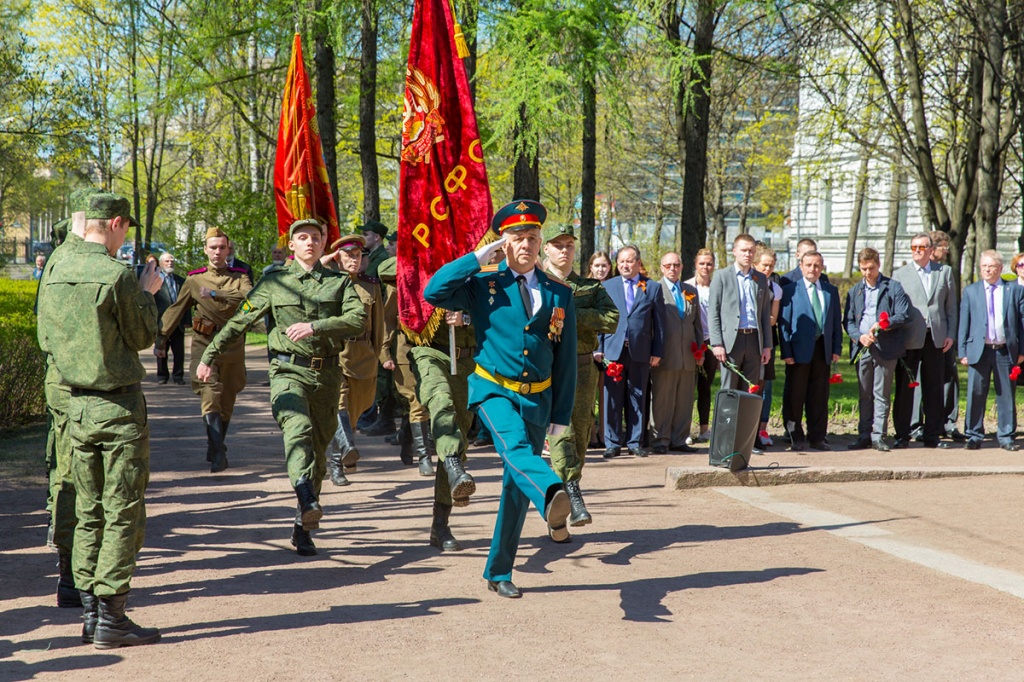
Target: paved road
[859,581]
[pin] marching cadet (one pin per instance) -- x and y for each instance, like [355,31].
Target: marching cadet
[524,382]
[315,310]
[414,436]
[61,486]
[359,356]
[596,313]
[446,399]
[215,291]
[97,316]
[381,246]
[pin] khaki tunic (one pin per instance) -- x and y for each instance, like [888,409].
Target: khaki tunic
[228,379]
[405,380]
[360,355]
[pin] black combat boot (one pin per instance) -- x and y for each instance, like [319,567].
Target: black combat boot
[67,594]
[90,607]
[421,447]
[215,434]
[579,516]
[367,418]
[462,484]
[210,438]
[396,437]
[114,629]
[440,534]
[344,438]
[405,441]
[302,541]
[337,470]
[385,424]
[310,512]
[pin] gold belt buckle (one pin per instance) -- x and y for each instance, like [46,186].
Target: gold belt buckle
[316,363]
[524,388]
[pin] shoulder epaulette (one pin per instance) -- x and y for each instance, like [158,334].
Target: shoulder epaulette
[241,270]
[490,267]
[199,271]
[369,278]
[556,279]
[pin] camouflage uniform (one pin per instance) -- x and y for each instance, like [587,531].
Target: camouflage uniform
[305,375]
[229,286]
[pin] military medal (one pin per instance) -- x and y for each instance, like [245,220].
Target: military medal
[557,323]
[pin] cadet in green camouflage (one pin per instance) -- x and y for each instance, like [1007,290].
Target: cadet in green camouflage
[315,310]
[97,316]
[595,313]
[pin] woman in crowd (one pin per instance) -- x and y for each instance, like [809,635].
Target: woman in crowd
[764,262]
[704,267]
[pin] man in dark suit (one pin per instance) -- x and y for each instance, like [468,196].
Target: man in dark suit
[638,343]
[930,333]
[674,379]
[810,335]
[739,316]
[991,316]
[877,308]
[166,296]
[803,246]
[238,262]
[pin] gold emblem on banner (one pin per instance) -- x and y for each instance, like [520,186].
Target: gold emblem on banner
[422,123]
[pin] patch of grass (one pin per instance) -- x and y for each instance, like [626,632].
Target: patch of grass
[255,339]
[22,454]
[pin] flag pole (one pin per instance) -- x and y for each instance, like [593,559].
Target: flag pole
[451,348]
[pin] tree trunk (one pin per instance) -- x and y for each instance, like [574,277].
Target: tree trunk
[133,90]
[254,148]
[526,180]
[893,224]
[588,181]
[368,112]
[325,101]
[659,211]
[858,208]
[992,16]
[468,21]
[695,131]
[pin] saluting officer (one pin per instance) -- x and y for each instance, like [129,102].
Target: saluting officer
[215,291]
[524,383]
[61,486]
[359,356]
[98,316]
[315,310]
[596,313]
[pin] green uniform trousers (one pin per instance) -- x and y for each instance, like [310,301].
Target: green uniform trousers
[304,404]
[61,494]
[109,438]
[445,398]
[569,448]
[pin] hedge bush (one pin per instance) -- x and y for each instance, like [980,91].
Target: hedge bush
[22,365]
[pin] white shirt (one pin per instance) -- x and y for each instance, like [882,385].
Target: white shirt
[704,295]
[534,286]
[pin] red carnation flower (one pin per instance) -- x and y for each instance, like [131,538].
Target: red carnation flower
[1015,373]
[883,321]
[754,388]
[836,378]
[913,384]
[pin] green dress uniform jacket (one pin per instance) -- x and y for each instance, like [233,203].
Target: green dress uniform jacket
[106,319]
[376,257]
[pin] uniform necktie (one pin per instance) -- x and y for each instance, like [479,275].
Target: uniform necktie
[630,294]
[812,291]
[677,294]
[524,291]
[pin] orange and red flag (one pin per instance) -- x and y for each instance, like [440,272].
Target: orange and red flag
[444,200]
[301,186]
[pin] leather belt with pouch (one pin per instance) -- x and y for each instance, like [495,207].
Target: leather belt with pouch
[130,388]
[204,327]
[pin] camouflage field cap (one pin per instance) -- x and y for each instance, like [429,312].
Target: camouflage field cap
[556,231]
[212,232]
[393,237]
[305,222]
[59,231]
[374,226]
[79,199]
[107,206]
[387,271]
[348,241]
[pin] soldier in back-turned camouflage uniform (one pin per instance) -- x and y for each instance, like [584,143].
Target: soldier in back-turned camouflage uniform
[60,501]
[215,291]
[595,313]
[97,316]
[315,310]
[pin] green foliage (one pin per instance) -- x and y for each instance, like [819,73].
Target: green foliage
[22,365]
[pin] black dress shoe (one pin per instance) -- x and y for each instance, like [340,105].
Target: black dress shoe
[1010,447]
[612,452]
[929,443]
[162,380]
[901,444]
[974,445]
[659,450]
[504,588]
[683,448]
[943,445]
[956,436]
[179,382]
[821,446]
[797,446]
[882,446]
[862,443]
[638,452]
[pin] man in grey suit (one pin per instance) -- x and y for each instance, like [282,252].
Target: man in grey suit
[739,316]
[930,333]
[674,379]
[990,331]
